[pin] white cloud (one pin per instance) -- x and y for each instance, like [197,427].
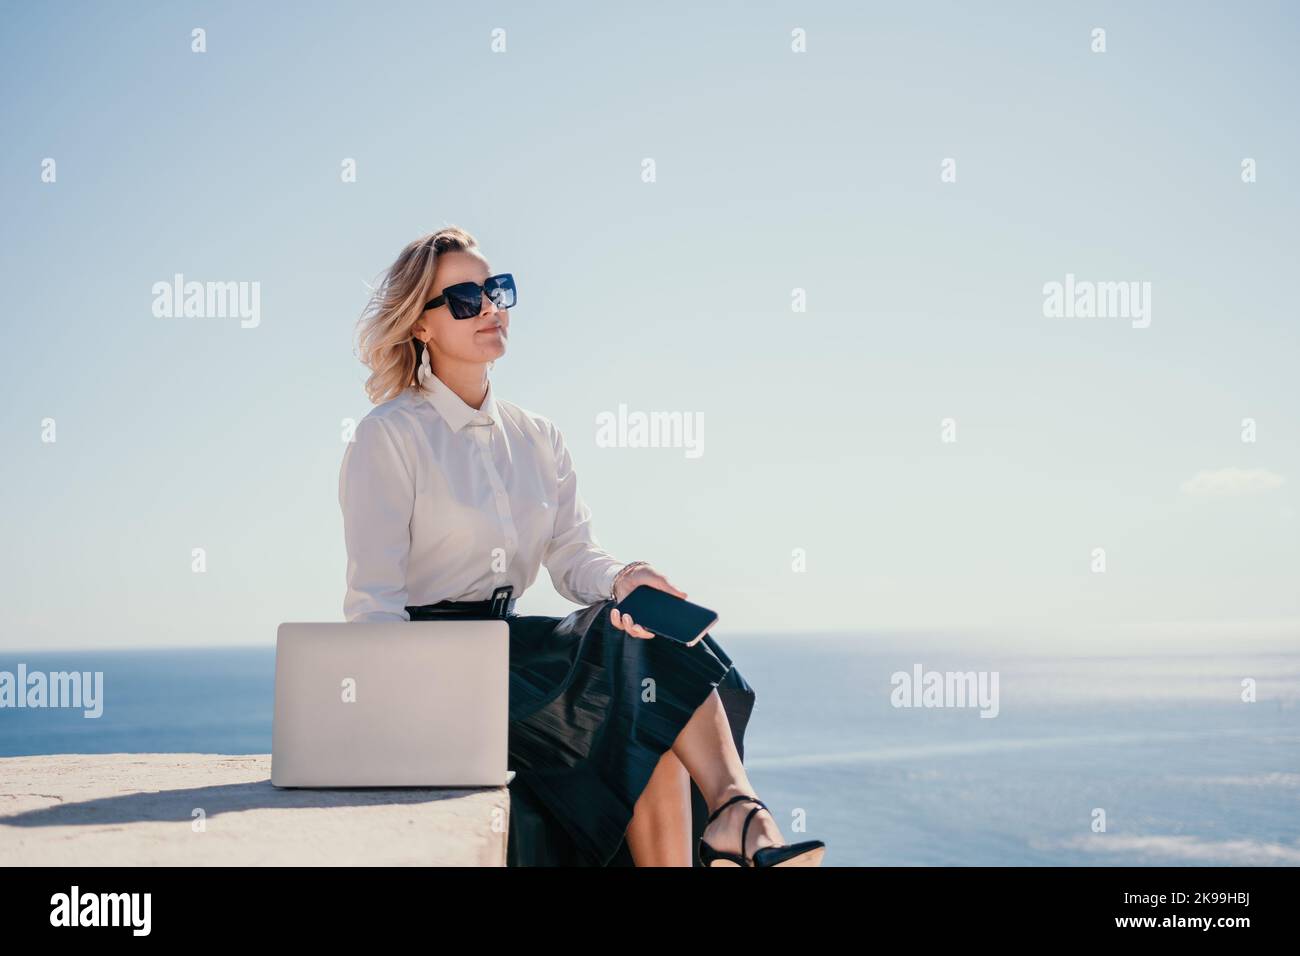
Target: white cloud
[1231,481]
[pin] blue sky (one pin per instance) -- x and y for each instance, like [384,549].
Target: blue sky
[775,171]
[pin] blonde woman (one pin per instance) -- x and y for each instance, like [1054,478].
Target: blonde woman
[453,498]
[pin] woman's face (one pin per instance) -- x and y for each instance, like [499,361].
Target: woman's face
[480,339]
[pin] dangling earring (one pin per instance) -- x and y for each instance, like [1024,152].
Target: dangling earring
[422,367]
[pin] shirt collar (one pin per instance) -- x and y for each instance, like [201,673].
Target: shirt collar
[450,405]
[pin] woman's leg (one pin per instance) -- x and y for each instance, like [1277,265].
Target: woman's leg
[706,749]
[660,832]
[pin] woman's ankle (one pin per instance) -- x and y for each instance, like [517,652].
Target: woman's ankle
[727,829]
[728,792]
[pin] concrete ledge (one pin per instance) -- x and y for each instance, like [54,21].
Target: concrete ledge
[139,810]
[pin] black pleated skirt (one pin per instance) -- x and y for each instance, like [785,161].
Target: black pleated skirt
[592,710]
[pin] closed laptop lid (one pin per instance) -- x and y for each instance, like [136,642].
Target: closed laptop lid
[390,704]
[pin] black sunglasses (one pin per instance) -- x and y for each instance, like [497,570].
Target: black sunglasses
[465,299]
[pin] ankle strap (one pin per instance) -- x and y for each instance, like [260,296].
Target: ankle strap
[744,831]
[736,799]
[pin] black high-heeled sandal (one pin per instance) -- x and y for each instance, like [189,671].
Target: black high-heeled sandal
[807,853]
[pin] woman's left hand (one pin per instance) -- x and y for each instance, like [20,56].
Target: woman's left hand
[638,576]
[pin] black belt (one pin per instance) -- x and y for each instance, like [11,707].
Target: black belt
[500,605]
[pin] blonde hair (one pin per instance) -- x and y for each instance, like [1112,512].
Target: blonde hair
[385,344]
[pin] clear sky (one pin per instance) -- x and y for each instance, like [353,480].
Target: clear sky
[775,171]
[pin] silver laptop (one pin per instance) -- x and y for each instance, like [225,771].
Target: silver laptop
[391,704]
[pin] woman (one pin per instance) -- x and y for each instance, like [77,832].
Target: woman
[622,744]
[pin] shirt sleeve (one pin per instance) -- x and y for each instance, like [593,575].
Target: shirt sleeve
[377,495]
[579,568]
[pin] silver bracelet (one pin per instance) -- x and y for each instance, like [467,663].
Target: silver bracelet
[613,585]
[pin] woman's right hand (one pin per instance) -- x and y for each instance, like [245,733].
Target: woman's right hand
[642,574]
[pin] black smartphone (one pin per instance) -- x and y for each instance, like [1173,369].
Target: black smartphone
[666,615]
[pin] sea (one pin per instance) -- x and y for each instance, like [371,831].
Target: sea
[1075,760]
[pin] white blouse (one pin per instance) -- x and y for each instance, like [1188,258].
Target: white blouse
[442,501]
